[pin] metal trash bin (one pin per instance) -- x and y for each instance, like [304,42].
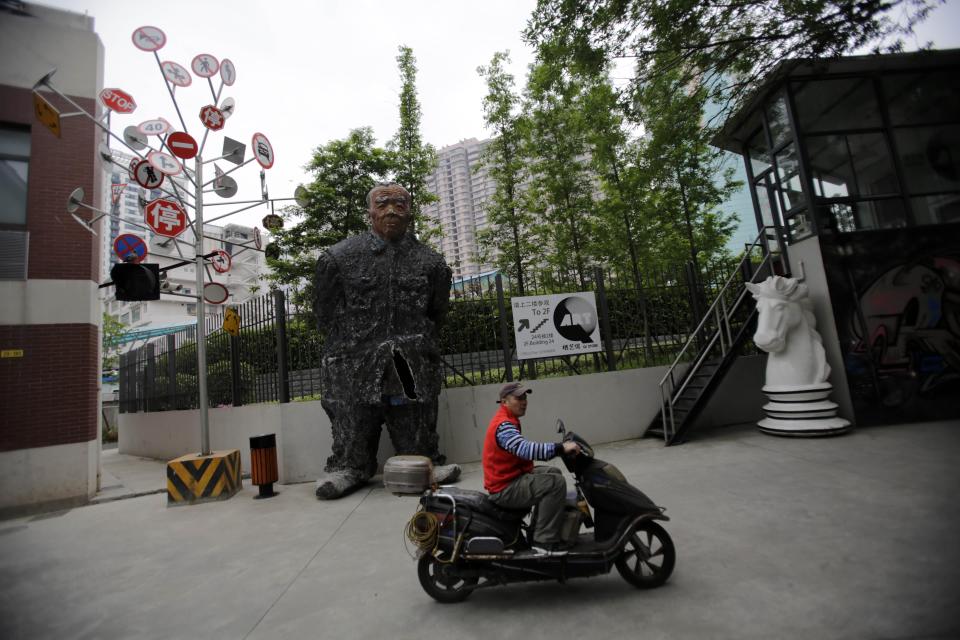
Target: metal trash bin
[263,464]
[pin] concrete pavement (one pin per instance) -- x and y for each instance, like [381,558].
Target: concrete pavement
[847,537]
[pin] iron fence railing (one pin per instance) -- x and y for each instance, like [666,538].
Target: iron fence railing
[645,319]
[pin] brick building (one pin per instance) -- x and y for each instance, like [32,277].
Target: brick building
[49,264]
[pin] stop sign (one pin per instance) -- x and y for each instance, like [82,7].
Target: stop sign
[165,217]
[118,100]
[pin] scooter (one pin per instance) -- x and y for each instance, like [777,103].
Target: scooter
[466,542]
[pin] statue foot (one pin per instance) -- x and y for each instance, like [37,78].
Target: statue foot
[446,473]
[336,484]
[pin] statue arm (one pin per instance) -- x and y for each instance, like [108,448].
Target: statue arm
[327,290]
[440,294]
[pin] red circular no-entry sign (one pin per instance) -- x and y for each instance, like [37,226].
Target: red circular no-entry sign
[182,145]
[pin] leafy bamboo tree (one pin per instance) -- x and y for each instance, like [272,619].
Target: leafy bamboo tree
[111,332]
[344,171]
[681,167]
[727,46]
[561,186]
[413,160]
[509,235]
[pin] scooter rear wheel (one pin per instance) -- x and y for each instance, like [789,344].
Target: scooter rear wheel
[438,580]
[648,556]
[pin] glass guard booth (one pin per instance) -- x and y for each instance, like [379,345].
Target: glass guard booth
[856,163]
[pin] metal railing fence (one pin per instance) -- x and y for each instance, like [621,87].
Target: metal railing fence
[645,319]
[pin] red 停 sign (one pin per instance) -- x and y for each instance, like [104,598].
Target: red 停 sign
[212,118]
[118,100]
[165,217]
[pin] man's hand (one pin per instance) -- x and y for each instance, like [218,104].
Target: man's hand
[570,448]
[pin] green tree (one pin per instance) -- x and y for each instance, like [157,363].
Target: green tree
[344,171]
[561,186]
[728,46]
[681,167]
[412,159]
[509,234]
[112,331]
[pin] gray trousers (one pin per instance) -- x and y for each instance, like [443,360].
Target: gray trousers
[544,486]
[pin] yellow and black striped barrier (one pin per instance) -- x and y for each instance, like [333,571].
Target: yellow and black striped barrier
[195,478]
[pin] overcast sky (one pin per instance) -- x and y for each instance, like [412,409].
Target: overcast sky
[309,72]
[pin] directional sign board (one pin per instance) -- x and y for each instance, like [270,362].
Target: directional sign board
[212,118]
[165,162]
[118,100]
[130,247]
[215,293]
[182,145]
[47,114]
[228,73]
[176,74]
[221,261]
[155,127]
[147,175]
[149,38]
[563,324]
[205,65]
[165,217]
[262,149]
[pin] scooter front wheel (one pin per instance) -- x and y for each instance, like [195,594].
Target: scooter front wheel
[440,581]
[648,556]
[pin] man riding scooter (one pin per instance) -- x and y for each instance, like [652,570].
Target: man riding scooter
[511,478]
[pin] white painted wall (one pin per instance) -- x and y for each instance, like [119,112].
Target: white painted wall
[64,474]
[807,260]
[602,407]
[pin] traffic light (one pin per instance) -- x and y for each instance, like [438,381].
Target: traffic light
[135,282]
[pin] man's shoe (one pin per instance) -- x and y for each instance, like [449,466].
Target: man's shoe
[446,473]
[552,549]
[336,484]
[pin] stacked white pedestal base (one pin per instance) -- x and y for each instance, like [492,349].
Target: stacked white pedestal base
[801,411]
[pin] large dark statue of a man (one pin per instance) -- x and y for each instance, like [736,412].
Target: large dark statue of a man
[380,298]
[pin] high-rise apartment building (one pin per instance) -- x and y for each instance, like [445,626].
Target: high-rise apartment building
[464,190]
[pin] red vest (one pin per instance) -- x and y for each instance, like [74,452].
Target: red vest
[500,467]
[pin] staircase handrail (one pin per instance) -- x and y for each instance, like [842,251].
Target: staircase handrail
[723,326]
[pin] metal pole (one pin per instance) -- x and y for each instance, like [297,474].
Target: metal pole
[504,339]
[201,313]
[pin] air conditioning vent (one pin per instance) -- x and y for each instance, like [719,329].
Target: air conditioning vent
[13,254]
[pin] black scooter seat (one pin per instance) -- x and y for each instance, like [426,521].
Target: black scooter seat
[481,503]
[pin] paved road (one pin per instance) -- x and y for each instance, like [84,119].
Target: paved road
[851,537]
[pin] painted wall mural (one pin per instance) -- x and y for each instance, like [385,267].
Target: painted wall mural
[896,299]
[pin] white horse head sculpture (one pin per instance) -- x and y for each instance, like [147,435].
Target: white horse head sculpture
[786,329]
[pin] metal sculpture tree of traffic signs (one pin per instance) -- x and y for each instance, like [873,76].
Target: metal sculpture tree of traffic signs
[160,151]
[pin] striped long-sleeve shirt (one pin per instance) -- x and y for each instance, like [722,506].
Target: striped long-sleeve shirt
[510,439]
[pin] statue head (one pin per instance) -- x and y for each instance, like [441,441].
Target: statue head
[389,209]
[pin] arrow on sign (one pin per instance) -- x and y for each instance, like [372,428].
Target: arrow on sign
[524,324]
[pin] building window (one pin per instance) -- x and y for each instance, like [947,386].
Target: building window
[14,164]
[836,104]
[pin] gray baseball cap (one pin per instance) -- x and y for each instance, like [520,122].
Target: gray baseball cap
[513,389]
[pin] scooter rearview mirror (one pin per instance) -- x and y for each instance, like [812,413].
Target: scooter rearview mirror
[560,427]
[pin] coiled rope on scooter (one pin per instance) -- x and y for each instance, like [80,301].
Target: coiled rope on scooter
[423,530]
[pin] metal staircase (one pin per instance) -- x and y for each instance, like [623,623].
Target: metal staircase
[714,345]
